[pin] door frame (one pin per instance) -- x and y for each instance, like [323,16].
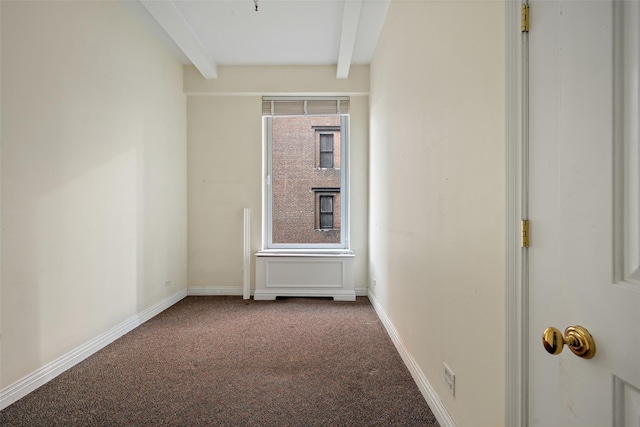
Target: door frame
[516,190]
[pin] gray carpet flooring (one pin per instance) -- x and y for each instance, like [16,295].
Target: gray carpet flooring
[223,361]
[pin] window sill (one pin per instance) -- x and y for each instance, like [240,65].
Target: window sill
[310,253]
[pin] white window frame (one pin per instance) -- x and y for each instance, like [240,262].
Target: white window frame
[267,241]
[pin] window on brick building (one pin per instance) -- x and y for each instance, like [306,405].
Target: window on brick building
[326,150]
[326,212]
[305,173]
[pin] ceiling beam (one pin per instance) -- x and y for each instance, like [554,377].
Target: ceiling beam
[350,19]
[172,21]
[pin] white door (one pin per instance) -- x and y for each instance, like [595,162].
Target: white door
[584,257]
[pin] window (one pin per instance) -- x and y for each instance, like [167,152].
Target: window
[326,150]
[326,212]
[327,208]
[305,173]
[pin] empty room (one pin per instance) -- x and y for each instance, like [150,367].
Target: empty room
[319,212]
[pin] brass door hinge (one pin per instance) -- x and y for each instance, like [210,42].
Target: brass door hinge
[525,18]
[524,226]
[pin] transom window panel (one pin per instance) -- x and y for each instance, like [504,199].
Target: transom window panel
[306,201]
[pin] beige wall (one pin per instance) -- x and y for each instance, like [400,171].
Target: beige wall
[224,177]
[277,80]
[225,163]
[437,197]
[93,176]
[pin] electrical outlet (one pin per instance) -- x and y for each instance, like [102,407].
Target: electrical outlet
[167,283]
[450,379]
[375,282]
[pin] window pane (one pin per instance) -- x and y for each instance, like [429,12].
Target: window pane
[326,142]
[297,211]
[326,204]
[326,160]
[326,220]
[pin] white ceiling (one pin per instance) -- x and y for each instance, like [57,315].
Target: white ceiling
[208,33]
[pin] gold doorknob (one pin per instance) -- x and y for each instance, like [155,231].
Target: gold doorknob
[578,339]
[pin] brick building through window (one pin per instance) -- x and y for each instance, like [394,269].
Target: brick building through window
[306,179]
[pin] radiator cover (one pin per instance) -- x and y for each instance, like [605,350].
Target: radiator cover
[305,275]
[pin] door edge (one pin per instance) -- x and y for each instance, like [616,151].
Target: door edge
[516,162]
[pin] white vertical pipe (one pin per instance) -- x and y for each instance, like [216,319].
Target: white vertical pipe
[246,266]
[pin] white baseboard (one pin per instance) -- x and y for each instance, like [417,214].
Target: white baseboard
[362,292]
[26,385]
[218,291]
[430,395]
[237,291]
